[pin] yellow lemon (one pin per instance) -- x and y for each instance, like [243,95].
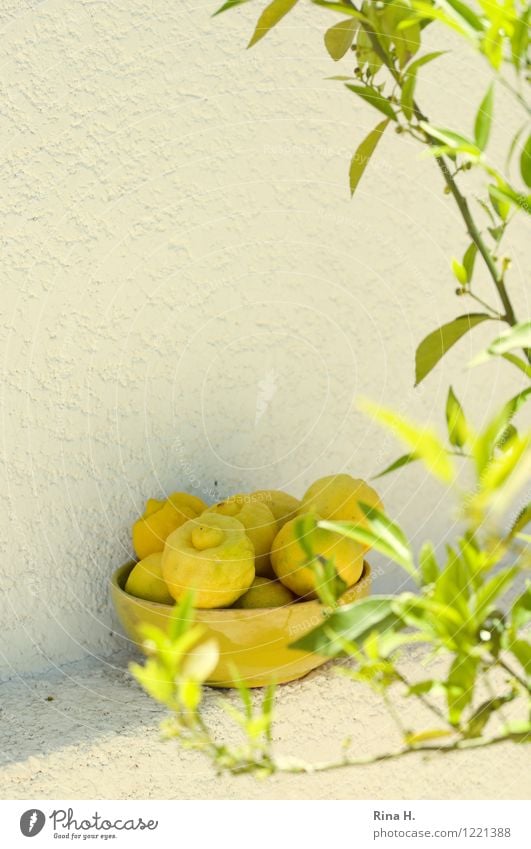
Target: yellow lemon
[290,561]
[211,555]
[282,505]
[160,518]
[338,497]
[145,580]
[265,593]
[259,523]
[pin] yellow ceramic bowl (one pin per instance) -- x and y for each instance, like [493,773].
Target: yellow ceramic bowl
[256,642]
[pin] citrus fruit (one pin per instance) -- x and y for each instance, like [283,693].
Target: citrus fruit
[337,497]
[265,593]
[145,580]
[212,556]
[259,523]
[282,505]
[160,518]
[290,560]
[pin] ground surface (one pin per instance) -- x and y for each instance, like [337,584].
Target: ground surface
[98,738]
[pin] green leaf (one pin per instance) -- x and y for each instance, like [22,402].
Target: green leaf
[522,521]
[464,11]
[338,39]
[521,609]
[429,568]
[402,461]
[270,17]
[353,623]
[460,685]
[426,736]
[423,60]
[491,590]
[525,162]
[382,535]
[459,271]
[481,716]
[182,616]
[229,5]
[495,432]
[422,439]
[518,336]
[363,154]
[268,705]
[484,119]
[469,259]
[504,196]
[437,343]
[407,95]
[522,652]
[199,663]
[342,8]
[456,421]
[519,363]
[373,96]
[454,141]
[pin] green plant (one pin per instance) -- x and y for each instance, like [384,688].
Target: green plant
[479,645]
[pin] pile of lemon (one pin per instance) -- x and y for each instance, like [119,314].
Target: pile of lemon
[245,552]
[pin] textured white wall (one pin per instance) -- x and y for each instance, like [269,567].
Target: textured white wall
[191,296]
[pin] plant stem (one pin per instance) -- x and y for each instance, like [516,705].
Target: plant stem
[459,745]
[475,235]
[513,674]
[462,204]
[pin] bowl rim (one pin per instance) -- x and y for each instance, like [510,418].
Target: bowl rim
[121,574]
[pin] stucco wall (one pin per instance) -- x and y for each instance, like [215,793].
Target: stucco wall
[190,295]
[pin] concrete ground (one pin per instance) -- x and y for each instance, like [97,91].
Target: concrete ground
[86,730]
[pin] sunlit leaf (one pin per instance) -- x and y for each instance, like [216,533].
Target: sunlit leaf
[422,439]
[506,195]
[363,154]
[460,685]
[429,568]
[404,460]
[455,420]
[491,590]
[426,736]
[452,140]
[469,259]
[521,609]
[270,17]
[522,652]
[381,533]
[484,119]
[459,271]
[199,663]
[353,622]
[525,162]
[437,343]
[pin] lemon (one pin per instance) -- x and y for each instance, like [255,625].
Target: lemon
[212,556]
[145,580]
[290,561]
[282,505]
[338,496]
[265,593]
[259,523]
[160,518]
